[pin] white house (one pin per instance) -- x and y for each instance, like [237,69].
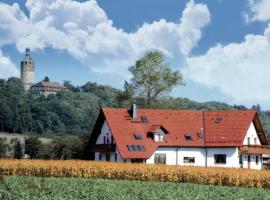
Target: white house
[180,137]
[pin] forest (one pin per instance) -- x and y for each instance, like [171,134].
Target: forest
[74,112]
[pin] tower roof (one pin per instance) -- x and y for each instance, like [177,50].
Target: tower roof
[27,55]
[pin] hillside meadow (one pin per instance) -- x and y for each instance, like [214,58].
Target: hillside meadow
[140,172]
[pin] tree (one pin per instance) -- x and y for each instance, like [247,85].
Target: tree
[2,148]
[46,79]
[125,95]
[32,147]
[152,77]
[18,154]
[71,87]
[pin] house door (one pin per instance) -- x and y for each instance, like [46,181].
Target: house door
[248,162]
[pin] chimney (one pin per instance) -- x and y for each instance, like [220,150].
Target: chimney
[133,111]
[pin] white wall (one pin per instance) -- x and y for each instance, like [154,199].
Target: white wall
[251,133]
[232,159]
[105,131]
[170,155]
[252,164]
[197,153]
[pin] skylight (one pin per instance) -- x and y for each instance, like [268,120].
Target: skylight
[138,136]
[188,137]
[144,119]
[200,134]
[136,147]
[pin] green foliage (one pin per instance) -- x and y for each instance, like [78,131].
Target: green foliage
[70,112]
[18,154]
[32,147]
[71,147]
[2,147]
[96,189]
[152,77]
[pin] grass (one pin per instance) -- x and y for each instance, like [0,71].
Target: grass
[20,187]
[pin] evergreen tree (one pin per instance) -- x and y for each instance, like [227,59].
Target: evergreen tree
[18,154]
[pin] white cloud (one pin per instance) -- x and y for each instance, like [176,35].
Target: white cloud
[240,70]
[7,68]
[259,11]
[85,32]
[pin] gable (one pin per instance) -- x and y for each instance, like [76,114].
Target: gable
[252,137]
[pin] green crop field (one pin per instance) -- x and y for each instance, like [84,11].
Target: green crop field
[15,187]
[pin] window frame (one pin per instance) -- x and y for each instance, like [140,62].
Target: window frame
[187,160]
[160,158]
[222,158]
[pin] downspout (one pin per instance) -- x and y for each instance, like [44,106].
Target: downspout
[206,152]
[177,149]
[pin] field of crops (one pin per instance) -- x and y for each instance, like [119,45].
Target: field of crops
[124,171]
[35,188]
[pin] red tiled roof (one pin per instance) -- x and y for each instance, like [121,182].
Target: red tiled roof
[48,84]
[219,128]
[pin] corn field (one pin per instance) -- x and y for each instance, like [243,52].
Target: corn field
[143,172]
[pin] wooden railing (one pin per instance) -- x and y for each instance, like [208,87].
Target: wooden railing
[103,148]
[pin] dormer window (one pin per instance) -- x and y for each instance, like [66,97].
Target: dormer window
[159,135]
[188,137]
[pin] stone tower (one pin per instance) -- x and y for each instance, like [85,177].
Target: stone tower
[27,70]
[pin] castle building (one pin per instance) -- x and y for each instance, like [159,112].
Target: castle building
[27,70]
[44,87]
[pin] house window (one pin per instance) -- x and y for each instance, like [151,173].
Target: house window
[189,159]
[108,157]
[108,139]
[100,156]
[255,140]
[257,160]
[220,158]
[115,157]
[112,141]
[104,139]
[160,158]
[159,136]
[240,160]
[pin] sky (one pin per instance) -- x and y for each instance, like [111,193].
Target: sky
[222,47]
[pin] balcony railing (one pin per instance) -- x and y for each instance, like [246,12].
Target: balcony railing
[255,149]
[103,148]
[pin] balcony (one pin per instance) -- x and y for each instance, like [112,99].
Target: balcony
[103,148]
[255,149]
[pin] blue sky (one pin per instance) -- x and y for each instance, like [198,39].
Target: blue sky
[221,46]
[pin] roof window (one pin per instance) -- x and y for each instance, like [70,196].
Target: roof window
[138,136]
[188,137]
[144,119]
[136,147]
[200,135]
[218,119]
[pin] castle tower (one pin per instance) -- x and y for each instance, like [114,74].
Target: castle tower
[27,70]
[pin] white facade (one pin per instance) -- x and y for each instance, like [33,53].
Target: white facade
[106,136]
[252,136]
[175,156]
[194,156]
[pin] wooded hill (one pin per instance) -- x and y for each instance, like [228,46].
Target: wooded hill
[74,112]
